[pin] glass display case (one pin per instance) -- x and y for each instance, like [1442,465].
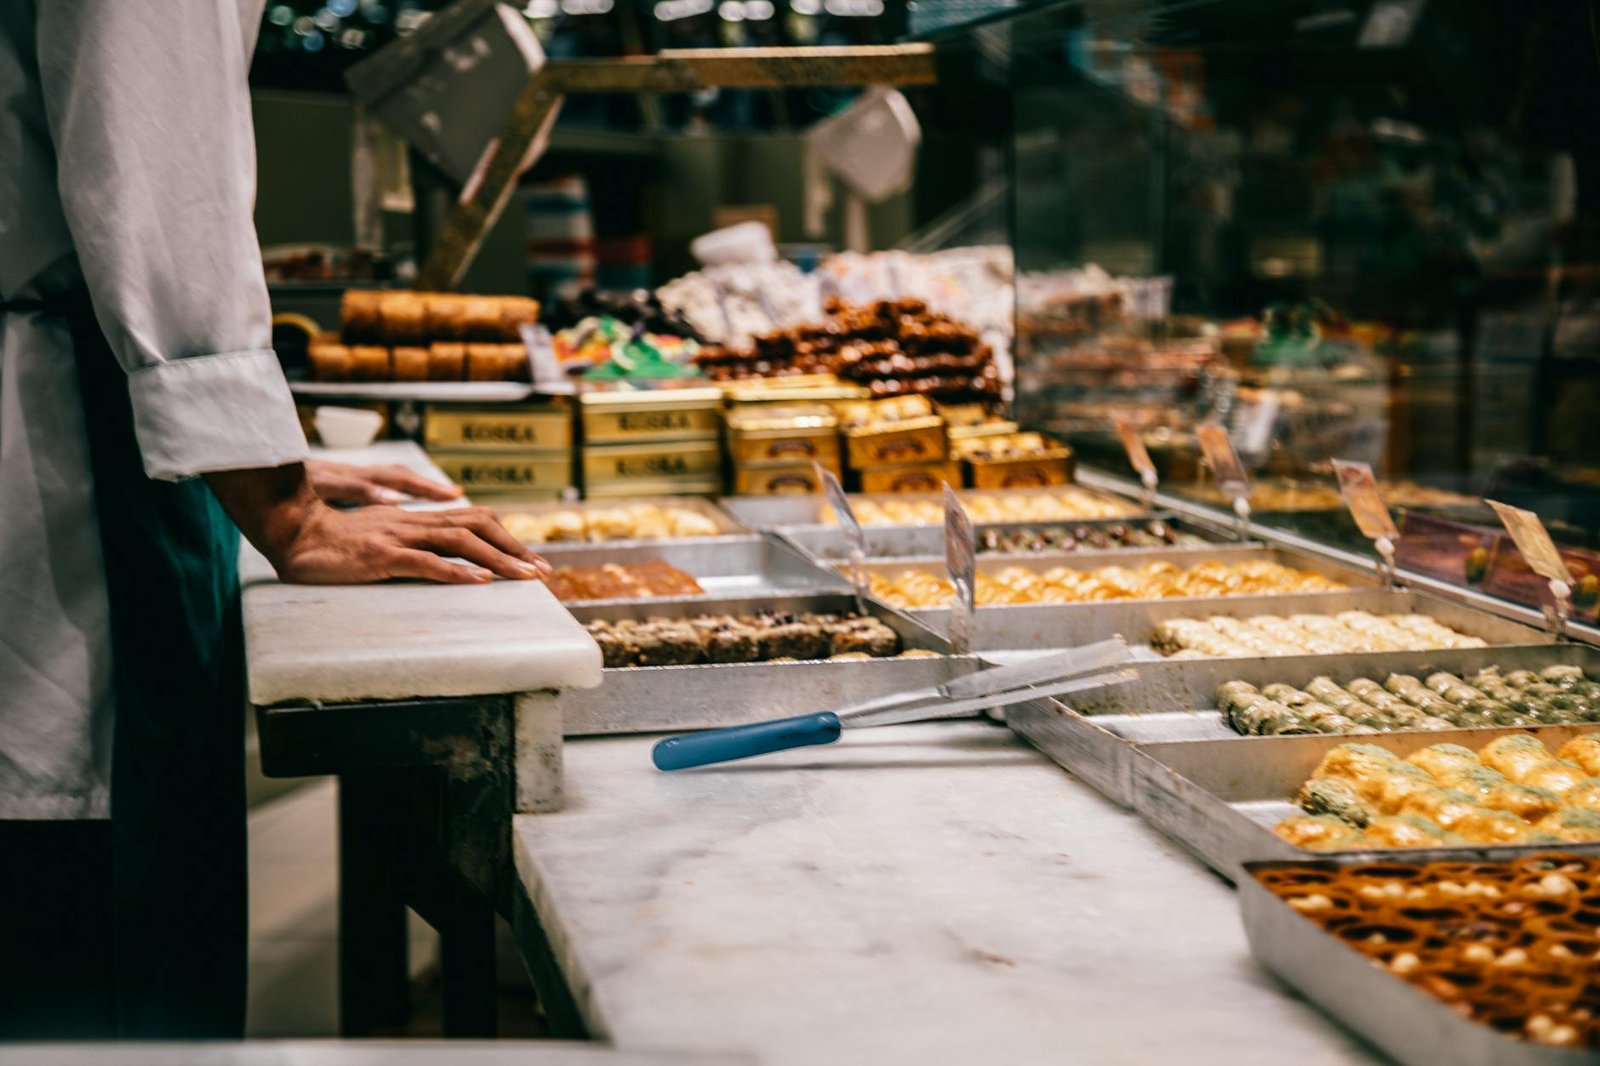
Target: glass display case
[1361,229]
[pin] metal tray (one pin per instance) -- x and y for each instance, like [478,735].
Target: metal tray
[1220,799]
[333,392]
[1104,740]
[1408,1024]
[726,525]
[750,565]
[1066,625]
[827,543]
[1029,616]
[652,699]
[785,512]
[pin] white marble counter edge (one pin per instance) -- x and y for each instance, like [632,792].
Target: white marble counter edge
[404,640]
[1284,1028]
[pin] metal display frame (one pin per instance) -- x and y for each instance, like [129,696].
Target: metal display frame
[527,131]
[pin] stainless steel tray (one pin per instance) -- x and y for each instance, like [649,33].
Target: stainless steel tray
[775,512]
[1028,616]
[1065,625]
[784,512]
[1408,1024]
[1220,799]
[1100,738]
[726,525]
[652,699]
[750,565]
[419,391]
[827,543]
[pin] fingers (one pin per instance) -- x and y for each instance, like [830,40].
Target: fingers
[348,486]
[427,566]
[399,479]
[359,493]
[488,527]
[469,545]
[482,522]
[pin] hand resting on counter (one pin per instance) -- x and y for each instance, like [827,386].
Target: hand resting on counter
[310,543]
[360,486]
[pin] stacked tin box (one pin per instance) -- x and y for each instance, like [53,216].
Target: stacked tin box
[520,452]
[661,442]
[776,448]
[898,445]
[994,454]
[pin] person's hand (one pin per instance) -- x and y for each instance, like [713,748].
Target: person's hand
[343,483]
[308,542]
[373,543]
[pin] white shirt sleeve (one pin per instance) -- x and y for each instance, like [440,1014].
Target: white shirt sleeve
[149,110]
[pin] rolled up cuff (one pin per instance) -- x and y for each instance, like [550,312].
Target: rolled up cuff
[230,411]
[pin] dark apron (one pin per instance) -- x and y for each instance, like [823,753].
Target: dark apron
[177,840]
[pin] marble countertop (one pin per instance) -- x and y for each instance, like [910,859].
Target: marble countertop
[342,1053]
[406,639]
[927,894]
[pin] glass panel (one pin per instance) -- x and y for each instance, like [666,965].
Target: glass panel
[1347,229]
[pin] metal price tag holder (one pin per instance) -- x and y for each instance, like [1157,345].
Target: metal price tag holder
[961,559]
[547,374]
[1533,541]
[853,534]
[1229,472]
[1138,457]
[1359,488]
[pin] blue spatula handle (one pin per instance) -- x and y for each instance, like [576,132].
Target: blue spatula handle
[743,741]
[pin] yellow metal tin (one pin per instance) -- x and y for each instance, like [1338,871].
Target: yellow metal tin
[976,430]
[784,434]
[915,440]
[769,392]
[912,477]
[482,471]
[638,487]
[668,414]
[798,478]
[541,427]
[652,460]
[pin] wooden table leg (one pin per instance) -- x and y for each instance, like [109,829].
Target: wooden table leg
[549,983]
[467,969]
[374,971]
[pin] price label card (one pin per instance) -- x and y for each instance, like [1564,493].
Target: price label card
[961,559]
[1533,541]
[1360,491]
[1224,460]
[1258,423]
[854,537]
[547,373]
[1133,444]
[840,503]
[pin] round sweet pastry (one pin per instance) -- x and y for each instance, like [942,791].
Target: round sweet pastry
[410,364]
[359,314]
[447,361]
[329,362]
[403,318]
[446,316]
[369,362]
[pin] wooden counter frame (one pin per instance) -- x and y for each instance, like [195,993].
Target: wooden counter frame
[672,71]
[427,790]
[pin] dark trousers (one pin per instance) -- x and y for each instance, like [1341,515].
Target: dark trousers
[138,929]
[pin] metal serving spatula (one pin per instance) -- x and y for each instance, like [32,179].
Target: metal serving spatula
[1092,666]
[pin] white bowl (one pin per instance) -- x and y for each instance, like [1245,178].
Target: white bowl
[744,242]
[347,427]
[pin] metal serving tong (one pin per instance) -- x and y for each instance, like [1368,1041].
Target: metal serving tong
[1091,666]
